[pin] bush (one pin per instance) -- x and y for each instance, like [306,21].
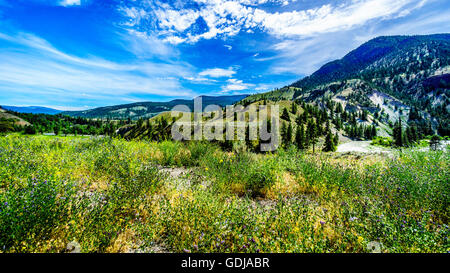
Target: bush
[382,141]
[30,213]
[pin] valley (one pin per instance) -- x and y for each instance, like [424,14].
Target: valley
[361,158]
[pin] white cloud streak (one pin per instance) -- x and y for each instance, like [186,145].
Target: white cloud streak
[67,3]
[218,72]
[36,66]
[225,18]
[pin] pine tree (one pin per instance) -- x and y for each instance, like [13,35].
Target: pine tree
[374,132]
[339,108]
[294,108]
[289,134]
[300,137]
[329,145]
[312,133]
[336,139]
[434,142]
[286,134]
[285,115]
[398,133]
[299,119]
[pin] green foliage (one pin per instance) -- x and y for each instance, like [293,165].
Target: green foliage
[329,145]
[30,212]
[108,193]
[300,140]
[382,141]
[285,115]
[44,123]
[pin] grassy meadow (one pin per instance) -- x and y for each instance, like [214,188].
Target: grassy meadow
[112,195]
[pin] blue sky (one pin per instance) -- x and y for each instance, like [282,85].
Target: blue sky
[79,54]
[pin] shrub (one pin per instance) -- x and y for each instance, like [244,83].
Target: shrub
[382,141]
[30,213]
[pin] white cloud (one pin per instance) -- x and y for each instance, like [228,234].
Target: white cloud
[66,3]
[228,47]
[145,45]
[39,69]
[226,18]
[236,85]
[200,80]
[218,72]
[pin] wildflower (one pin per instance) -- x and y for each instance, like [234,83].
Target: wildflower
[206,169]
[360,239]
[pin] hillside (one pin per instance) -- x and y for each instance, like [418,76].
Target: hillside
[149,109]
[8,121]
[387,77]
[390,86]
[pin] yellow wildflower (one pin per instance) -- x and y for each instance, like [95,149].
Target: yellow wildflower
[360,239]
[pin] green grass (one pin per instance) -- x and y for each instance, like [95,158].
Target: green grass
[110,196]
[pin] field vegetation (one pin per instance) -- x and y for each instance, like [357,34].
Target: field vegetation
[113,195]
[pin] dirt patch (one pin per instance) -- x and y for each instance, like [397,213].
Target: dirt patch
[182,178]
[361,147]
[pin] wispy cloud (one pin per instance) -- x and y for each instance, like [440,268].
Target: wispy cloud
[218,72]
[236,85]
[109,52]
[226,18]
[66,3]
[38,67]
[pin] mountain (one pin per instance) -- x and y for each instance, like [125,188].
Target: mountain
[389,75]
[388,60]
[32,109]
[149,109]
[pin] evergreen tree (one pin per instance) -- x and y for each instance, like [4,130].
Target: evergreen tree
[329,145]
[300,137]
[374,132]
[286,134]
[285,115]
[299,119]
[294,108]
[434,142]
[398,133]
[30,130]
[57,129]
[336,139]
[312,133]
[289,134]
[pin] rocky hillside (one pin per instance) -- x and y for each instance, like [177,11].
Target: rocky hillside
[394,77]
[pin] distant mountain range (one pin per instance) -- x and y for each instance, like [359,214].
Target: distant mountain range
[149,109]
[32,109]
